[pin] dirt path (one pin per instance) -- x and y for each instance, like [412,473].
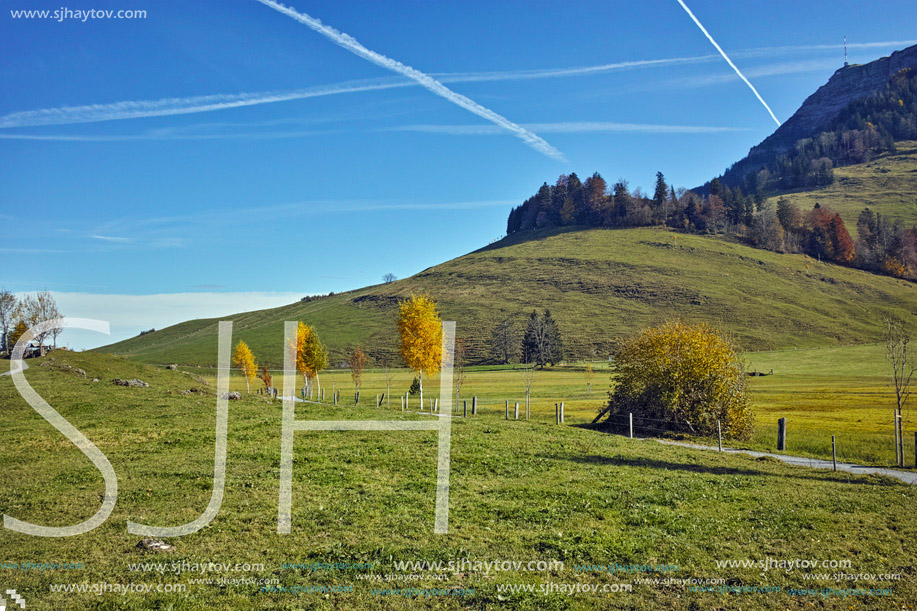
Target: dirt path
[812,463]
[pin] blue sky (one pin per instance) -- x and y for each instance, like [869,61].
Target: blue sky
[357,171]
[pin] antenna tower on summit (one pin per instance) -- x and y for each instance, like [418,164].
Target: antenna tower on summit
[845,52]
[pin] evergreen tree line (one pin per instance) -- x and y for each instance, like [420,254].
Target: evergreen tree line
[570,202]
[882,246]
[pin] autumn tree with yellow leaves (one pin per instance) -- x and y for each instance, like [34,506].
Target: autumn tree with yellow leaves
[18,331]
[421,333]
[245,360]
[311,355]
[685,376]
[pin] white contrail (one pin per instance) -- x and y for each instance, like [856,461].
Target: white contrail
[729,61]
[518,75]
[133,109]
[430,83]
[570,127]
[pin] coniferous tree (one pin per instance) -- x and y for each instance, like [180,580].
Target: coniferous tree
[541,343]
[554,346]
[659,198]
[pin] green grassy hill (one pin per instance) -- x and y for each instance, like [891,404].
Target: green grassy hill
[887,185]
[599,285]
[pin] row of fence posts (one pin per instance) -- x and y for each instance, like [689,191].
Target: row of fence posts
[559,419]
[434,407]
[434,403]
[899,441]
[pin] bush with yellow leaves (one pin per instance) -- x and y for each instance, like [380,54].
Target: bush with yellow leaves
[686,376]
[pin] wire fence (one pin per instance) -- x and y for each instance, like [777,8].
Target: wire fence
[873,444]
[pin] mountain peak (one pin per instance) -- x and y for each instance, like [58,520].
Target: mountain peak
[846,85]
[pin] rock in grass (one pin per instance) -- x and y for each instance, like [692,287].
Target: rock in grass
[172,367]
[65,367]
[130,383]
[233,396]
[154,545]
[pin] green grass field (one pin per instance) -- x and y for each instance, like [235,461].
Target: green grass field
[887,185]
[519,491]
[845,391]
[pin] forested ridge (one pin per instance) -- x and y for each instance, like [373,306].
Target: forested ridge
[736,205]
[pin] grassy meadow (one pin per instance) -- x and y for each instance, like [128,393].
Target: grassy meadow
[519,491]
[843,391]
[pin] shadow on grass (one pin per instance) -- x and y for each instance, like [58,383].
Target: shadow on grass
[654,463]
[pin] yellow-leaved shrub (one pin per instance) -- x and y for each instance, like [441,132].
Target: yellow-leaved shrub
[684,377]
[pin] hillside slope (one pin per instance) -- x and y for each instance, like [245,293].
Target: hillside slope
[599,284]
[887,185]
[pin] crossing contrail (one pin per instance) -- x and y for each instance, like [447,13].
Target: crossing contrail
[728,61]
[424,80]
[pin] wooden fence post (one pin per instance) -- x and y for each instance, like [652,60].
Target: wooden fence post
[436,404]
[402,402]
[517,410]
[781,434]
[630,420]
[561,412]
[464,408]
[507,415]
[719,435]
[834,452]
[556,413]
[474,406]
